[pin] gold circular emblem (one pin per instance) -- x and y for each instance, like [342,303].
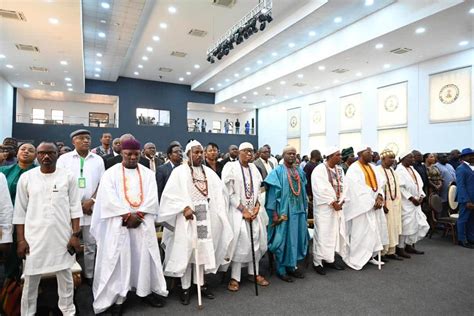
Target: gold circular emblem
[316,117]
[391,103]
[293,121]
[350,110]
[449,93]
[393,147]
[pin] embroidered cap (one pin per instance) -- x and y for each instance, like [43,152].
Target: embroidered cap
[245,145]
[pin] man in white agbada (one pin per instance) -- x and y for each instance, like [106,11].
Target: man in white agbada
[414,224]
[46,215]
[123,223]
[6,212]
[243,181]
[365,221]
[327,181]
[194,208]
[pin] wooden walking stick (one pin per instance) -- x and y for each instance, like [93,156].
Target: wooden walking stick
[253,260]
[196,262]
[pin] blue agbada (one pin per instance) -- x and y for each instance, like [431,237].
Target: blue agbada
[288,241]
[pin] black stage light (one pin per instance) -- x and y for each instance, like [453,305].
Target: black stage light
[262,25]
[269,18]
[226,50]
[214,52]
[262,18]
[231,46]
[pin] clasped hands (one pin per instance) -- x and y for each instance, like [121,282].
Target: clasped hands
[249,216]
[132,220]
[378,202]
[415,201]
[87,206]
[277,220]
[337,206]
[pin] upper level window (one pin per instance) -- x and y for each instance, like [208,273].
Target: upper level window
[57,116]
[38,116]
[153,117]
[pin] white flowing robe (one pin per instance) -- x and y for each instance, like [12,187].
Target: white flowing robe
[414,224]
[6,212]
[126,258]
[329,225]
[241,246]
[46,203]
[178,233]
[366,227]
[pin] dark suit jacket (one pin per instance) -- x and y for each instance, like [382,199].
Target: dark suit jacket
[226,160]
[163,173]
[118,159]
[263,171]
[465,184]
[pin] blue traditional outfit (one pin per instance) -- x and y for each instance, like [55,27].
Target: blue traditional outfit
[288,241]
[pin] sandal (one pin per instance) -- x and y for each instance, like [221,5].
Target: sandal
[260,280]
[233,285]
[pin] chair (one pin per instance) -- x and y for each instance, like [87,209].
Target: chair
[449,223]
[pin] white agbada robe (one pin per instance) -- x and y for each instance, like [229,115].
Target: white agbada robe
[414,224]
[241,246]
[126,258]
[46,203]
[6,212]
[366,227]
[329,234]
[178,233]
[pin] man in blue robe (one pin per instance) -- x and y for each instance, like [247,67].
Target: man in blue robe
[286,207]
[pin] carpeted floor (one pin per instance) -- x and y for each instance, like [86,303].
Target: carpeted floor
[439,282]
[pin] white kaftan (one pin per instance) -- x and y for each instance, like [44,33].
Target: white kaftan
[6,212]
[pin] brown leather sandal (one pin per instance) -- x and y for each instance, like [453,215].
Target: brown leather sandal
[233,285]
[260,280]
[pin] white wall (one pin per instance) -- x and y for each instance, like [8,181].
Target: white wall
[217,116]
[6,109]
[422,135]
[74,112]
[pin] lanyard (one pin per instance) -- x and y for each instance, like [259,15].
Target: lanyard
[82,166]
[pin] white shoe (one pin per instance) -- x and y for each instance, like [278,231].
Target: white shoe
[375,262]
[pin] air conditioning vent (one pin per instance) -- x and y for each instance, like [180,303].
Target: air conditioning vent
[27,48]
[400,50]
[14,15]
[340,70]
[270,95]
[247,102]
[299,84]
[47,83]
[38,69]
[198,33]
[164,69]
[224,3]
[178,54]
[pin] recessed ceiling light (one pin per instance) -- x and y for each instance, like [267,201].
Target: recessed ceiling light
[259,62]
[188,73]
[26,85]
[96,75]
[336,81]
[136,73]
[247,68]
[181,79]
[105,5]
[63,62]
[101,34]
[471,11]
[420,30]
[197,66]
[379,46]
[286,97]
[235,100]
[149,48]
[244,97]
[291,45]
[97,69]
[386,66]
[227,80]
[211,88]
[236,75]
[369,2]
[255,93]
[98,62]
[69,84]
[268,88]
[144,58]
[300,76]
[219,84]
[300,92]
[244,110]
[2,56]
[358,74]
[163,25]
[282,82]
[156,38]
[70,89]
[223,107]
[274,100]
[140,66]
[274,54]
[67,79]
[321,68]
[263,103]
[103,21]
[312,33]
[98,55]
[172,10]
[463,43]
[53,20]
[337,19]
[316,87]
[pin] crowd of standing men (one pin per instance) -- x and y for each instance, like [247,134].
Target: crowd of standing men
[217,213]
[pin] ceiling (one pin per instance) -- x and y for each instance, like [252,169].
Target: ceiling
[303,36]
[68,96]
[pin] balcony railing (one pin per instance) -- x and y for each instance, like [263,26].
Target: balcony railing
[66,120]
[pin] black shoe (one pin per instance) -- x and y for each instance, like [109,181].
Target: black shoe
[285,278]
[319,270]
[154,300]
[296,274]
[185,296]
[384,258]
[88,281]
[465,244]
[411,249]
[205,292]
[394,257]
[116,310]
[334,265]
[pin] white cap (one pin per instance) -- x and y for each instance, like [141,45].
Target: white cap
[331,150]
[191,144]
[245,145]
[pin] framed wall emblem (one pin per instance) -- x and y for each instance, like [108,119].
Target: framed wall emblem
[392,105]
[293,123]
[450,96]
[350,112]
[395,139]
[317,118]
